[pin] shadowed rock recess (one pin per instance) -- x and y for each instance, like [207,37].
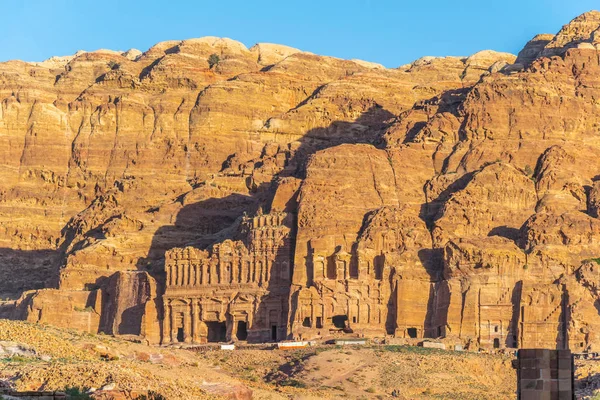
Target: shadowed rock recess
[278,194]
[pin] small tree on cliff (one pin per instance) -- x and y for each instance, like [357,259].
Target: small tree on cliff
[213,60]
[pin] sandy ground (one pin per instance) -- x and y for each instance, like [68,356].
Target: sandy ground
[53,359]
[372,373]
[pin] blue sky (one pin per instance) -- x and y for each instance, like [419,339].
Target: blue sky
[389,32]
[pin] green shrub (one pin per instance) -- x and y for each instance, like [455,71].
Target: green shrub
[87,309]
[596,396]
[293,382]
[77,393]
[16,358]
[151,396]
[213,60]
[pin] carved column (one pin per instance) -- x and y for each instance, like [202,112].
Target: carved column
[216,273]
[187,336]
[233,328]
[172,331]
[194,321]
[349,311]
[242,272]
[204,278]
[259,271]
[213,273]
[186,274]
[268,267]
[265,267]
[166,332]
[234,267]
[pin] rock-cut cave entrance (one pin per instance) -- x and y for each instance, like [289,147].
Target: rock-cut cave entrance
[217,331]
[340,321]
[242,330]
[179,321]
[274,333]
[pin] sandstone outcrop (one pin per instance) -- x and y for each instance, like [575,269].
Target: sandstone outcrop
[275,193]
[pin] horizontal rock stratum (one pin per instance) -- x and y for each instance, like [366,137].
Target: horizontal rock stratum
[270,193]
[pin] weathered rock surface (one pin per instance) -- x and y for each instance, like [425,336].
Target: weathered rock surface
[278,194]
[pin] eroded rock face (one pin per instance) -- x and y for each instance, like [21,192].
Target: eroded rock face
[278,194]
[496,201]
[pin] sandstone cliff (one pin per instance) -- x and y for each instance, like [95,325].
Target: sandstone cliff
[448,197]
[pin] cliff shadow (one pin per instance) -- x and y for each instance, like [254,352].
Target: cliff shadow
[368,128]
[206,222]
[199,224]
[23,270]
[273,311]
[447,101]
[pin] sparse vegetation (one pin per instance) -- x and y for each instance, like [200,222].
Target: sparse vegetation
[213,60]
[293,382]
[151,396]
[91,287]
[369,371]
[411,349]
[77,393]
[86,309]
[17,359]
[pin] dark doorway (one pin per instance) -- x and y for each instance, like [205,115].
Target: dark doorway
[242,330]
[274,333]
[354,268]
[179,323]
[331,268]
[496,343]
[412,333]
[379,262]
[217,331]
[319,322]
[339,321]
[306,322]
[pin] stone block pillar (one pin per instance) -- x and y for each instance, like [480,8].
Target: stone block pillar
[545,374]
